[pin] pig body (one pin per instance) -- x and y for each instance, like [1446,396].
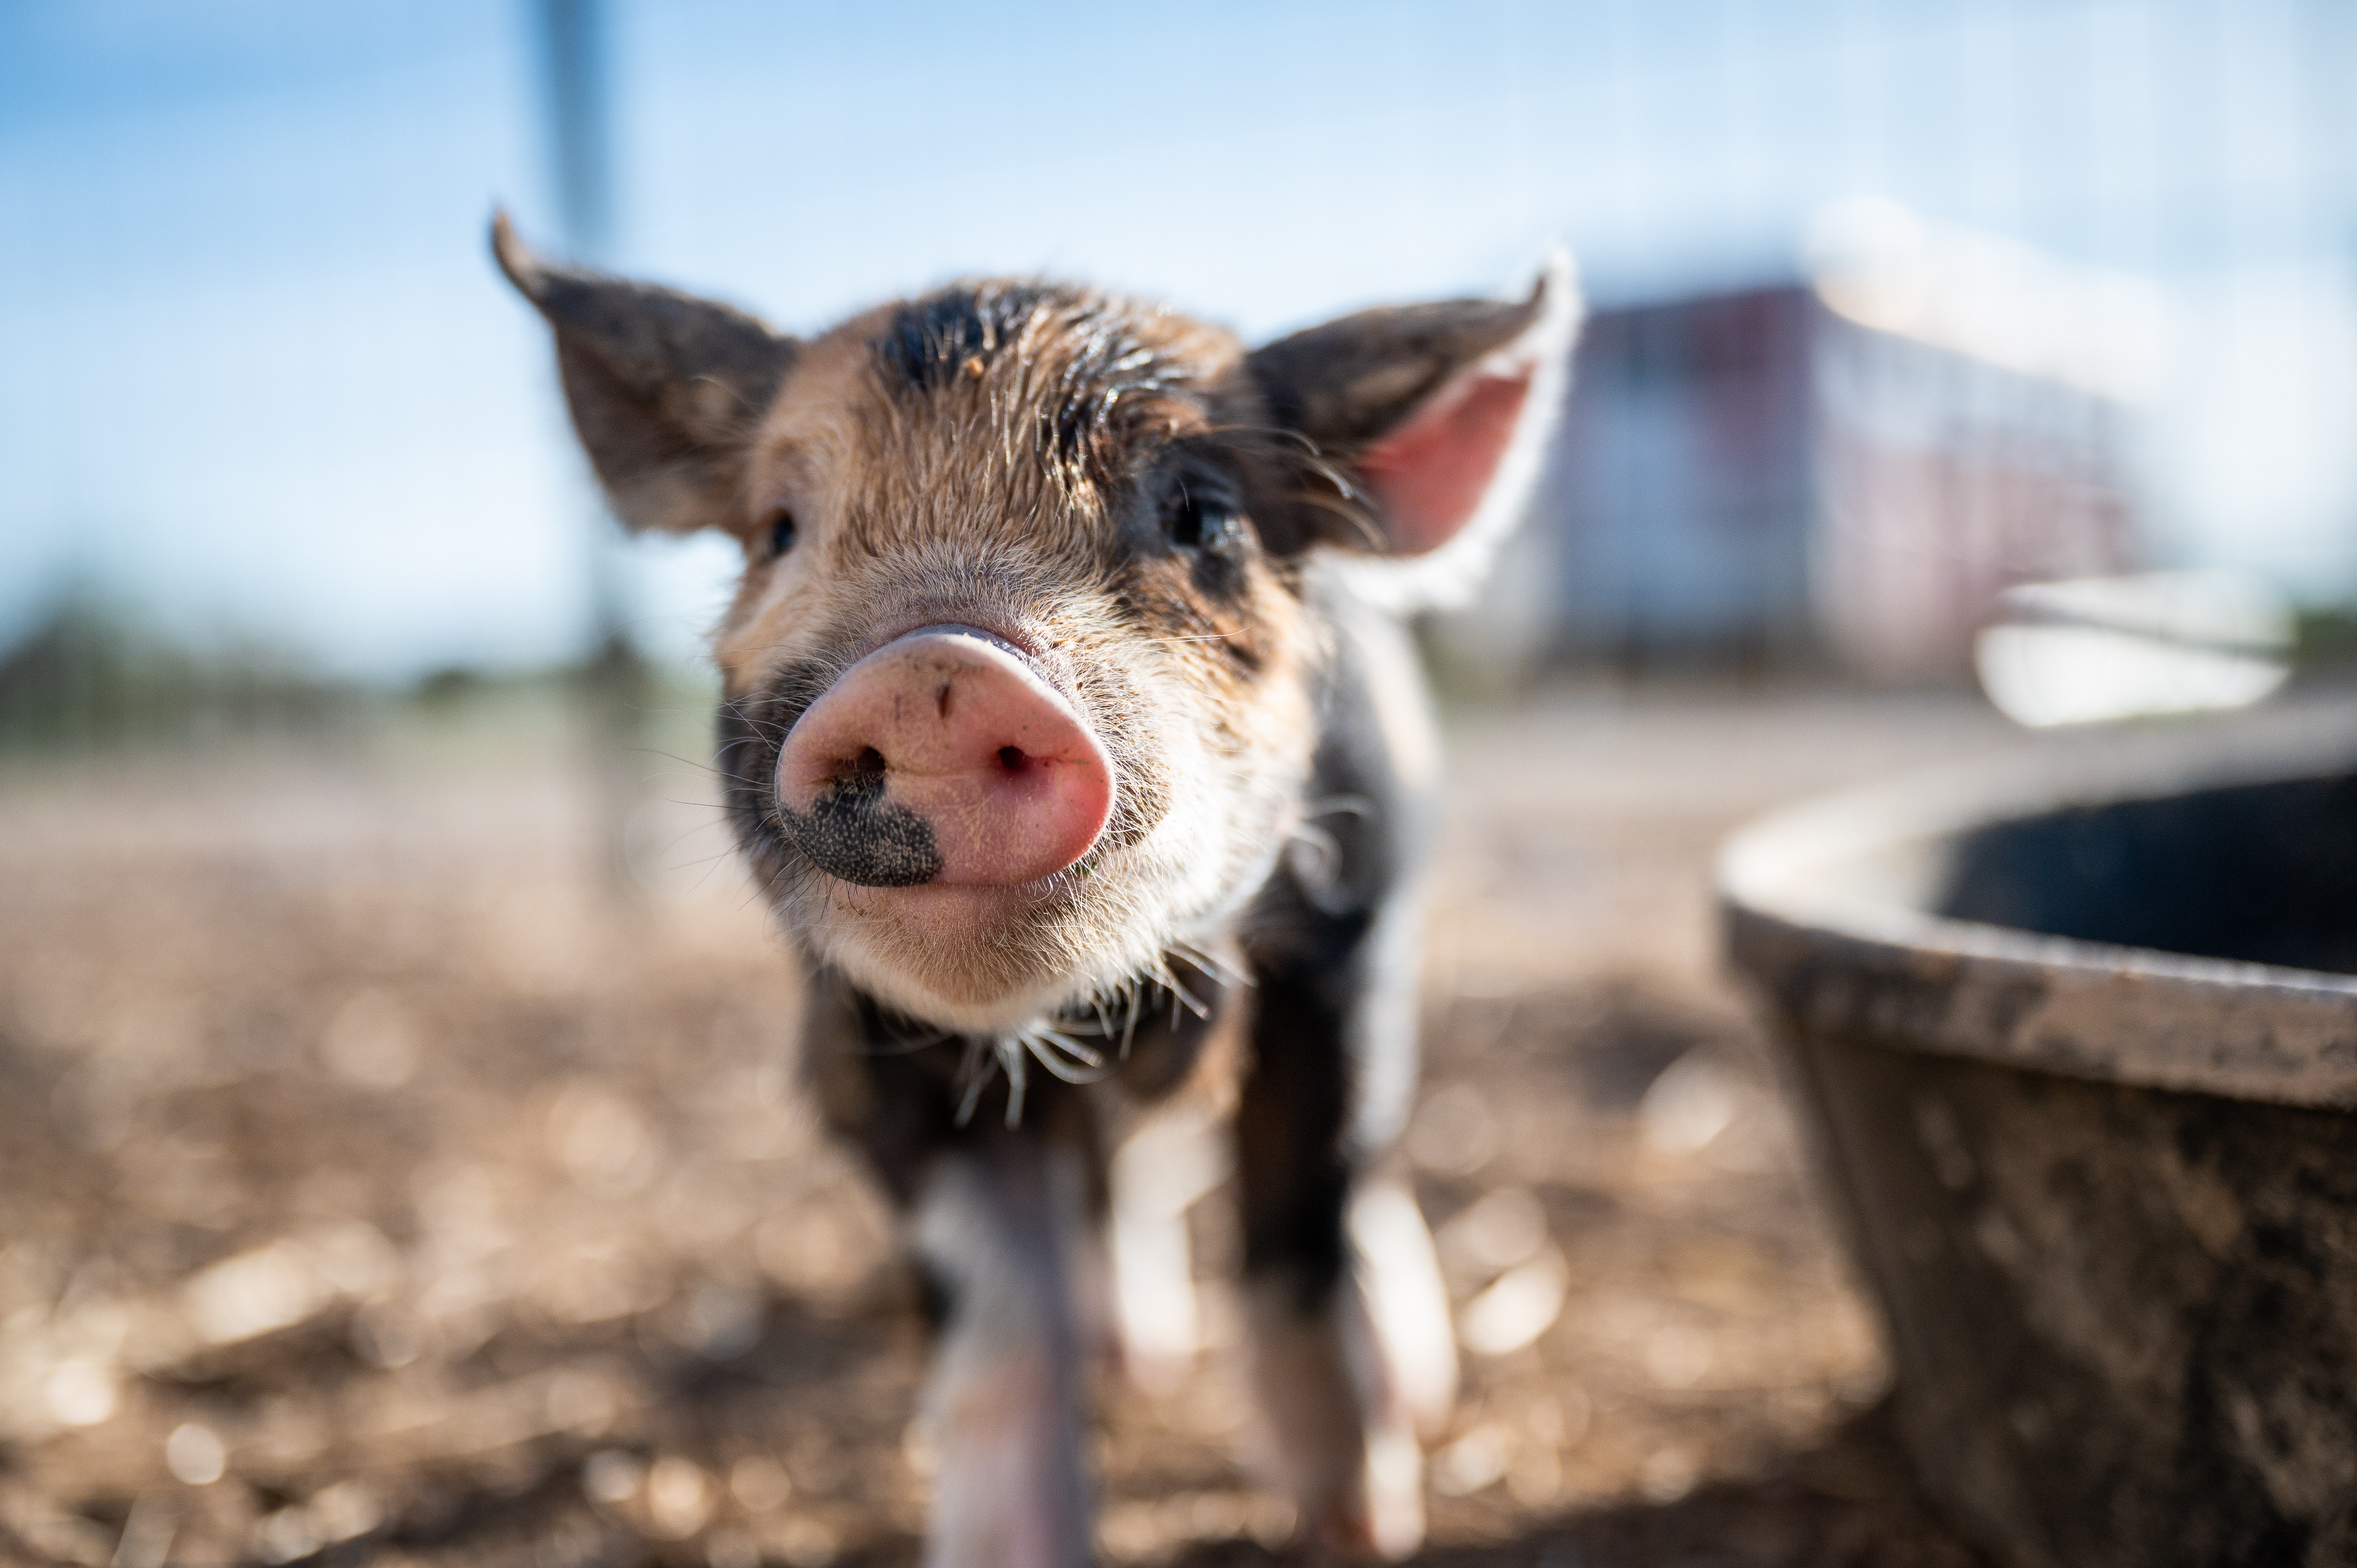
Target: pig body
[1070,730]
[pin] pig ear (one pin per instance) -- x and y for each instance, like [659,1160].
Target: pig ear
[665,388]
[1431,421]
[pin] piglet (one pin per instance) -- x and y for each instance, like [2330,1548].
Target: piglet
[1069,725]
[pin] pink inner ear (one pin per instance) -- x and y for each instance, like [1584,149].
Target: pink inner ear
[1430,473]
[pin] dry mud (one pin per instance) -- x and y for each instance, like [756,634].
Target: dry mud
[379,1189]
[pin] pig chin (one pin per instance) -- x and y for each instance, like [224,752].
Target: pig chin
[975,959]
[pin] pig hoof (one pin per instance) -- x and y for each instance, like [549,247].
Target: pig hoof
[1381,1517]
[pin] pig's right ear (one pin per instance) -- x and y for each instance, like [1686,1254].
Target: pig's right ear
[665,388]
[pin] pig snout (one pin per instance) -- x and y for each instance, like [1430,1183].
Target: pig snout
[942,757]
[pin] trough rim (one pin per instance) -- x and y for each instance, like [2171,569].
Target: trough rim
[1849,965]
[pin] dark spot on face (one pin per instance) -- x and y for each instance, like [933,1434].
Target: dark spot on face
[854,831]
[931,341]
[1093,370]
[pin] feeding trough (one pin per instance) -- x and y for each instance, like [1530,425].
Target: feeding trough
[2078,1048]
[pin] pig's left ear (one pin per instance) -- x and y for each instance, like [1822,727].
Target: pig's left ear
[665,388]
[1427,425]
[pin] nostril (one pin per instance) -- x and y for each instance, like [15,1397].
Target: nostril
[1010,757]
[869,762]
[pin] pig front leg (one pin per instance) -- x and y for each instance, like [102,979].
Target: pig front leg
[1336,1331]
[994,1221]
[1000,1219]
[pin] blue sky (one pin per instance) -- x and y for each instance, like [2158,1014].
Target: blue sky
[256,374]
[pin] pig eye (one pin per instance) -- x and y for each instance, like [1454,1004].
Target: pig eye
[1204,522]
[781,534]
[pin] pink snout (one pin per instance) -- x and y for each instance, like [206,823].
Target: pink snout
[940,757]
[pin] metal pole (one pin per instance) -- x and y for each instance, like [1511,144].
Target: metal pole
[573,33]
[574,51]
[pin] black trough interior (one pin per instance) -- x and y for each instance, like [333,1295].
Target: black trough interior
[2262,873]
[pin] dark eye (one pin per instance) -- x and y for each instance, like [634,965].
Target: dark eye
[1204,522]
[781,534]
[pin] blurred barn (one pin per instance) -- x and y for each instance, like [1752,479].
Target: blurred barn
[1847,467]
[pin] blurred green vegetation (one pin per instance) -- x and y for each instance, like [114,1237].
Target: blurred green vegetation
[90,677]
[2325,640]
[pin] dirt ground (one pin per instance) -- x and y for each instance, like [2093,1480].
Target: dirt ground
[379,1188]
